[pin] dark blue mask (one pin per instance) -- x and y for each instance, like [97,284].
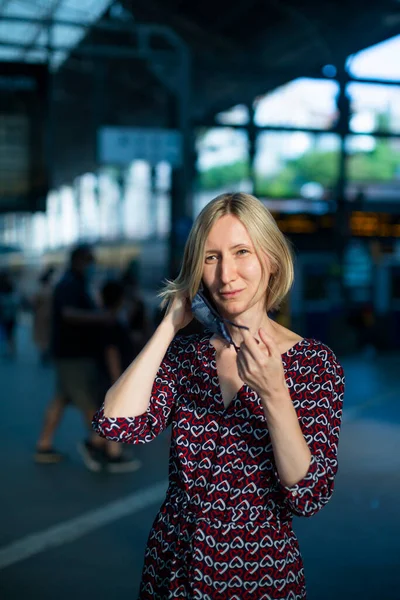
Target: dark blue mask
[209,317]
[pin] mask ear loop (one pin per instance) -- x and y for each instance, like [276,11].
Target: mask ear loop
[239,327]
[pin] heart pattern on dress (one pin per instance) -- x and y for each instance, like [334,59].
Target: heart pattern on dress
[224,531]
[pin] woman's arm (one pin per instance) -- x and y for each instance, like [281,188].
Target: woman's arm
[305,444]
[130,395]
[291,452]
[313,441]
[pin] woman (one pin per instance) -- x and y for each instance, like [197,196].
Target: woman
[255,422]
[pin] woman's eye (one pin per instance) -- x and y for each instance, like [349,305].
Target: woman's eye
[210,258]
[243,250]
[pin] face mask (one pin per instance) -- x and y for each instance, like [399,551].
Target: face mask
[210,318]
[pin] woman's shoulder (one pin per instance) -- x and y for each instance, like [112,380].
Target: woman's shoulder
[318,355]
[190,342]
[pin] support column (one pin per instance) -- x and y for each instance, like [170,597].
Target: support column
[342,222]
[252,148]
[121,182]
[181,196]
[96,193]
[153,212]
[76,187]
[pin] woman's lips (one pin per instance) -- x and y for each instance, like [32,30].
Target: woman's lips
[231,294]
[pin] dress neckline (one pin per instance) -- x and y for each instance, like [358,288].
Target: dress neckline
[213,362]
[289,351]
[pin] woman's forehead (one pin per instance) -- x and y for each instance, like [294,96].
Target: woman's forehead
[228,231]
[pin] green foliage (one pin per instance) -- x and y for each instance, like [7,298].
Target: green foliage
[280,186]
[226,174]
[381,164]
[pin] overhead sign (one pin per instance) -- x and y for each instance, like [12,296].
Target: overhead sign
[122,145]
[23,164]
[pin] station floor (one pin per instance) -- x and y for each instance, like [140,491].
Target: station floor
[69,533]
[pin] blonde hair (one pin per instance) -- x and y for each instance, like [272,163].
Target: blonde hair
[264,233]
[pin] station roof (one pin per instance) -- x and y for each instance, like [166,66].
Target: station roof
[245,48]
[238,51]
[28,34]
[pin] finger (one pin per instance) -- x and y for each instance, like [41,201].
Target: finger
[269,342]
[242,363]
[249,343]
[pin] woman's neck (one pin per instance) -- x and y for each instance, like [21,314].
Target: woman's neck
[254,323]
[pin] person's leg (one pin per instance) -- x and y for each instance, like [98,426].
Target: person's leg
[94,439]
[113,449]
[97,453]
[52,418]
[45,452]
[109,455]
[83,378]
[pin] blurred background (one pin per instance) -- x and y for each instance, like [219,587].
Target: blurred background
[119,121]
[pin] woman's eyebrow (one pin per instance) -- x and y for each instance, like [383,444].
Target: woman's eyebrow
[231,248]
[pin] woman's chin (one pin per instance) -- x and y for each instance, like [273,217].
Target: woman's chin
[233,310]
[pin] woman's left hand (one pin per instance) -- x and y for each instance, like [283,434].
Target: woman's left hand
[260,365]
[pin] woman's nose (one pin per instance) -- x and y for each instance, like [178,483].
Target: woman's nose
[227,270]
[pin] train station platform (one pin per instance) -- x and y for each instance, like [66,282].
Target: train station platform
[69,533]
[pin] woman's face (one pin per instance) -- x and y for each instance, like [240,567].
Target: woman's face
[232,271]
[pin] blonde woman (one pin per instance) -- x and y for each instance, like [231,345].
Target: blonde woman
[255,411]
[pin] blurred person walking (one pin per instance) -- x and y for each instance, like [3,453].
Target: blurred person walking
[76,330]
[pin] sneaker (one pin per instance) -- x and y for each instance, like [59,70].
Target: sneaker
[92,457]
[122,464]
[48,457]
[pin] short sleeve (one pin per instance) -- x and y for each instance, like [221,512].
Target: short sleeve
[321,428]
[146,427]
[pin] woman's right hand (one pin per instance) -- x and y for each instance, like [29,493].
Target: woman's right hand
[179,312]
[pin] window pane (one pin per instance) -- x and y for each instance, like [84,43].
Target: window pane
[238,115]
[378,62]
[300,103]
[297,165]
[373,168]
[222,163]
[374,107]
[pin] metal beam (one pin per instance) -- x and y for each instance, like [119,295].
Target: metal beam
[98,50]
[49,15]
[289,129]
[351,78]
[148,29]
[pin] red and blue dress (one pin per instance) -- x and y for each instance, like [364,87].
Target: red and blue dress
[224,531]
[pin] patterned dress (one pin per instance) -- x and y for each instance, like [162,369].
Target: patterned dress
[224,531]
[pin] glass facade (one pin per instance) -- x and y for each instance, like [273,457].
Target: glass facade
[300,103]
[297,156]
[374,107]
[296,165]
